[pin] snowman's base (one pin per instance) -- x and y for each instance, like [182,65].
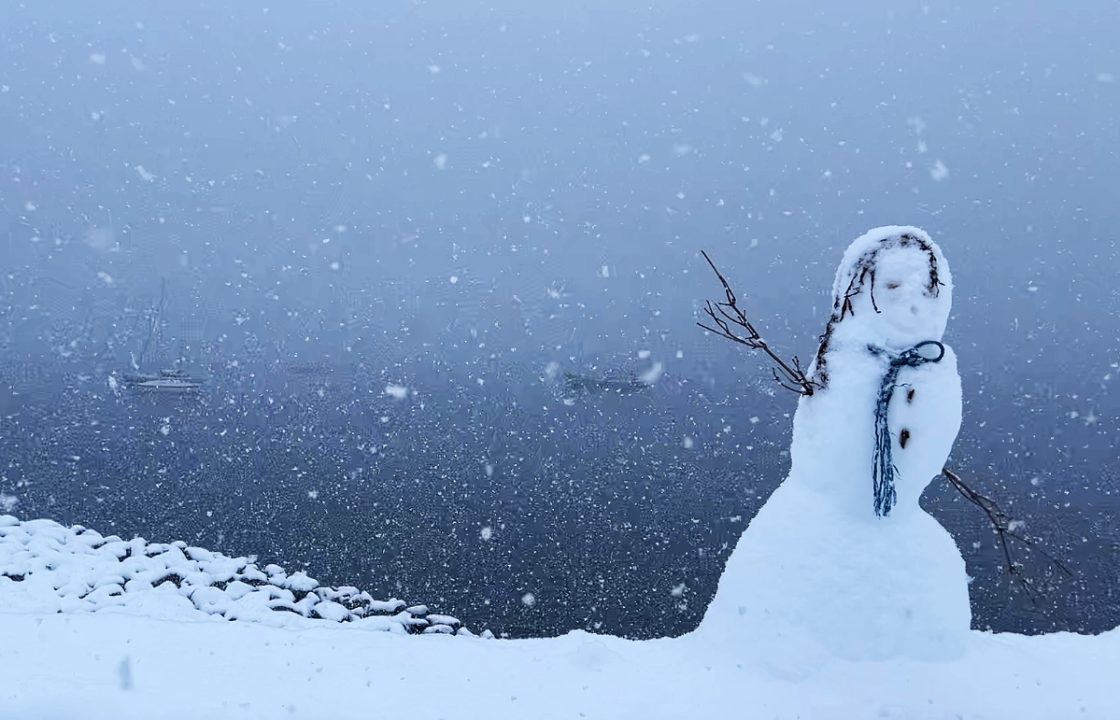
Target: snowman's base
[839,587]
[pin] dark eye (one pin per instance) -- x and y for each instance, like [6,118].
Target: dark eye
[893,285]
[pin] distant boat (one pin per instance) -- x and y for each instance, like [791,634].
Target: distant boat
[309,368]
[588,384]
[131,379]
[167,382]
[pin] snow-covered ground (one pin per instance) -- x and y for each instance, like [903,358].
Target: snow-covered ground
[167,658]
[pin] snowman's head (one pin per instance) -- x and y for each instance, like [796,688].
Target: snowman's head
[893,290]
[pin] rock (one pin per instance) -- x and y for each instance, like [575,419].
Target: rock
[197,553]
[387,607]
[85,572]
[300,582]
[445,620]
[329,610]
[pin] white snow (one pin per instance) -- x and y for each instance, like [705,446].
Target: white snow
[47,568]
[121,666]
[397,392]
[102,239]
[653,374]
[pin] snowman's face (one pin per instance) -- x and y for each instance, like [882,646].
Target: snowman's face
[909,310]
[893,290]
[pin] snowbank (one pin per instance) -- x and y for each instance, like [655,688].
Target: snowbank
[155,654]
[118,666]
[46,567]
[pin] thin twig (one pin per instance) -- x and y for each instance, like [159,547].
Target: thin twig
[724,315]
[1004,528]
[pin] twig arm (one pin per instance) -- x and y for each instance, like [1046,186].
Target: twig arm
[1005,530]
[729,321]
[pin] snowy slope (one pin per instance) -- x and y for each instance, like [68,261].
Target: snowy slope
[45,567]
[166,658]
[117,665]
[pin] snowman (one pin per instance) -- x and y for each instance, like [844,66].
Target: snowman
[841,561]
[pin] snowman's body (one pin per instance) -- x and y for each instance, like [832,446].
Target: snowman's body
[818,572]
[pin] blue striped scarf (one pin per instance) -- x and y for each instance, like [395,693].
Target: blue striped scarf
[883,470]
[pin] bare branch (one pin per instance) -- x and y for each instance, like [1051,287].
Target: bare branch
[731,322]
[1006,531]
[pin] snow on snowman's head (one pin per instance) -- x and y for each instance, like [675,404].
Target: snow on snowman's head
[893,290]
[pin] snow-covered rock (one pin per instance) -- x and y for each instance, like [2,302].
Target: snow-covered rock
[46,567]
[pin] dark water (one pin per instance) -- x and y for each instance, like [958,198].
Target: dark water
[616,512]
